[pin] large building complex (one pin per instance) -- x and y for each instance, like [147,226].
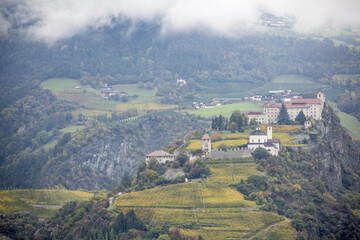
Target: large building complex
[311,105]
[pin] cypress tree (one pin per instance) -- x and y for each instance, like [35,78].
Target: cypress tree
[301,117]
[283,117]
[120,224]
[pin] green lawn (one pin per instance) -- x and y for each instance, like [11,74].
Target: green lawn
[226,110]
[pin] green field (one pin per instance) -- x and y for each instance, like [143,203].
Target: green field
[226,110]
[144,95]
[93,103]
[20,200]
[295,83]
[350,123]
[217,211]
[292,79]
[211,90]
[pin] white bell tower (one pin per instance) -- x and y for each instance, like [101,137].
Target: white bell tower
[269,131]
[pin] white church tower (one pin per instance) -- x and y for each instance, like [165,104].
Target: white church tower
[269,131]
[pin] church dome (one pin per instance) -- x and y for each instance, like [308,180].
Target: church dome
[258,132]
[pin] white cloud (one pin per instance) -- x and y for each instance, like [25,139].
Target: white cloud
[59,19]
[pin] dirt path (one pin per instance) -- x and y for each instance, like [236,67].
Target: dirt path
[111,201]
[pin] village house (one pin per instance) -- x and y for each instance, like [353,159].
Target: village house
[108,93]
[181,82]
[259,138]
[160,156]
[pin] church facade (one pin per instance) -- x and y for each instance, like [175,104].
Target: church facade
[259,138]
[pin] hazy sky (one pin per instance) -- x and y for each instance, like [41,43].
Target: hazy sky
[60,19]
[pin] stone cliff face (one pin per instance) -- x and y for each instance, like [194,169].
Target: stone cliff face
[338,154]
[103,160]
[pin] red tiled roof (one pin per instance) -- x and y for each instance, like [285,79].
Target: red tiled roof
[296,103]
[255,113]
[275,105]
[206,137]
[160,154]
[305,101]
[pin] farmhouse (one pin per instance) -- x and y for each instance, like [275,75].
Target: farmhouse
[160,156]
[259,138]
[123,94]
[311,105]
[108,93]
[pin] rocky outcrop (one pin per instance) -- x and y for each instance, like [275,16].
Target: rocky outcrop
[106,156]
[338,153]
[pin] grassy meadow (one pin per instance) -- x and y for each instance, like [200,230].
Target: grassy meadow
[226,110]
[350,123]
[94,104]
[218,211]
[20,200]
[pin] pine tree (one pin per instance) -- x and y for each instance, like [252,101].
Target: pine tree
[283,117]
[301,117]
[220,123]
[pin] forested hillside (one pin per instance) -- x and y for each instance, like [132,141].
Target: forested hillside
[116,55]
[94,158]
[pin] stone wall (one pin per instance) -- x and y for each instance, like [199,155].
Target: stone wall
[230,153]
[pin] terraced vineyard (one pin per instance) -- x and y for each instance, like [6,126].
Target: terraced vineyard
[41,203]
[209,208]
